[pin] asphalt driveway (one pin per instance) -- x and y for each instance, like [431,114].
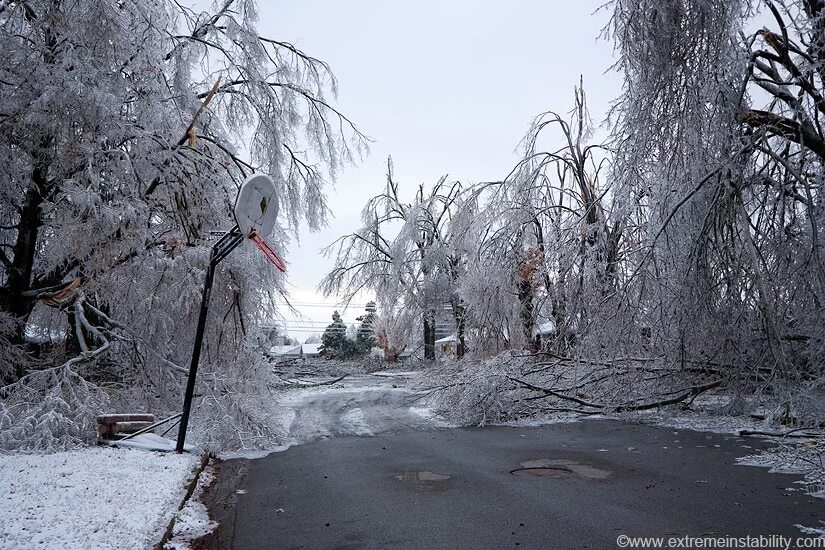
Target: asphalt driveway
[577,485]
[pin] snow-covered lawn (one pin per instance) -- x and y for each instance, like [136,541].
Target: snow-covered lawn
[90,498]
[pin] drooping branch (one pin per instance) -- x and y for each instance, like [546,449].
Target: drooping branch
[791,130]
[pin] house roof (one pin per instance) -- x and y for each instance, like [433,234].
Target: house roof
[446,339]
[285,350]
[311,349]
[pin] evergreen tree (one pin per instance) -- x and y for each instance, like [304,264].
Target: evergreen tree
[365,338]
[334,342]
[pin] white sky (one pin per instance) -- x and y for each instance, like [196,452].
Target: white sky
[445,87]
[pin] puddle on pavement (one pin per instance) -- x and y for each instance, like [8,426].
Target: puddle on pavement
[558,473]
[559,469]
[424,479]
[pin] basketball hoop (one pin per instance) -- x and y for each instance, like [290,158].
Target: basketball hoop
[255,211]
[256,206]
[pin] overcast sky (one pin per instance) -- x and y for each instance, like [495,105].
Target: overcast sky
[445,87]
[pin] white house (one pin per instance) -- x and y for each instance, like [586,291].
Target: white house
[310,350]
[284,353]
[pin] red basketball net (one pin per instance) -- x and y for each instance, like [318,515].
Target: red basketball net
[268,251]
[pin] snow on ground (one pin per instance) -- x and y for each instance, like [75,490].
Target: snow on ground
[93,498]
[193,522]
[430,415]
[150,442]
[355,421]
[360,404]
[253,454]
[698,420]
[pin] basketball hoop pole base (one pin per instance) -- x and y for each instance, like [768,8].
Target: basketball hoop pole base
[220,250]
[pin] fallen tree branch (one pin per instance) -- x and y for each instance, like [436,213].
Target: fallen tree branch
[548,391]
[565,409]
[327,383]
[137,338]
[188,135]
[691,392]
[790,433]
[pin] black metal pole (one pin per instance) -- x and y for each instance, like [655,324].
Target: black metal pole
[220,250]
[196,352]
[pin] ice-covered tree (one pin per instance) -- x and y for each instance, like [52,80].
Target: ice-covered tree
[125,129]
[393,328]
[719,161]
[400,251]
[546,238]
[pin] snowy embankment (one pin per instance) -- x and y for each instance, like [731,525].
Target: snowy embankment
[90,498]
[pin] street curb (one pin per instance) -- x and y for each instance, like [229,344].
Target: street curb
[167,535]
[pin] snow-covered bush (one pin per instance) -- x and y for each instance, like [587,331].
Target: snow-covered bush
[49,410]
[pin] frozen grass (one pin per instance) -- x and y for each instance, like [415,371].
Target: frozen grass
[90,498]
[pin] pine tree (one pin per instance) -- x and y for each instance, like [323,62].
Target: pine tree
[365,338]
[334,342]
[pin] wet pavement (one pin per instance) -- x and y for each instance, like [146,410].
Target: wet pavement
[577,485]
[371,467]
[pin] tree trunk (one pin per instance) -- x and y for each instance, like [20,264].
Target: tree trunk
[19,272]
[525,296]
[12,298]
[460,326]
[71,346]
[429,334]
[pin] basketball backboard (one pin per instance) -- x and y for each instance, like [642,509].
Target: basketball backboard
[256,206]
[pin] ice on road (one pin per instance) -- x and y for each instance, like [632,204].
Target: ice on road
[358,405]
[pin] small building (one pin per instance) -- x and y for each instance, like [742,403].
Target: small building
[446,347]
[310,350]
[279,354]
